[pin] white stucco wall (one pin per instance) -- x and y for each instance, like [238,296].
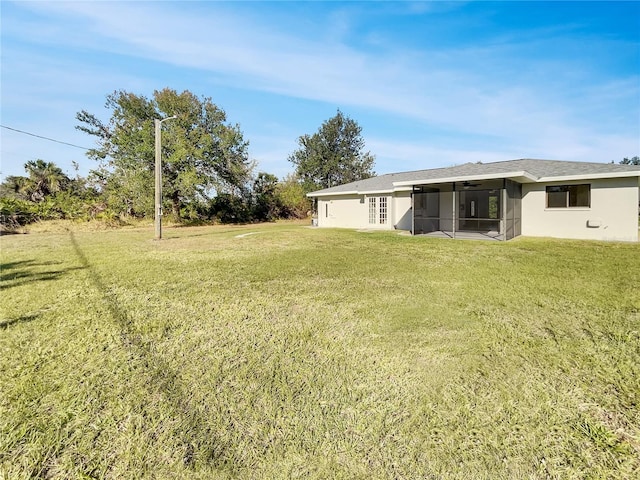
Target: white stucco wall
[341,211]
[348,211]
[614,206]
[401,202]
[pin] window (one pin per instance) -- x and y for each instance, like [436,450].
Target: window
[326,210]
[372,210]
[565,196]
[383,210]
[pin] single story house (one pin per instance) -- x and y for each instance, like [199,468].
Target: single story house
[499,200]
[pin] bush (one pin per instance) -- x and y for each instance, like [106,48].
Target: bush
[292,199]
[228,208]
[15,213]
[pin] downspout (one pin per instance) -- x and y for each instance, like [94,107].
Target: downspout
[391,214]
[413,212]
[453,226]
[503,213]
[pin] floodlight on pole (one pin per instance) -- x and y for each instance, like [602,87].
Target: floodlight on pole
[158,215]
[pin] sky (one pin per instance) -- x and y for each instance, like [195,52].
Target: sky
[432,84]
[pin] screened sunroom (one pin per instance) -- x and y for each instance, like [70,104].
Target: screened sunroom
[488,209]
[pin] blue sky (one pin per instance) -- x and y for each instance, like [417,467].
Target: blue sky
[431,83]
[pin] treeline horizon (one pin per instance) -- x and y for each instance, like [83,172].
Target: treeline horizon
[206,171]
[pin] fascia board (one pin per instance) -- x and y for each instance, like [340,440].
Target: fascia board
[357,192]
[333,194]
[565,178]
[466,178]
[375,192]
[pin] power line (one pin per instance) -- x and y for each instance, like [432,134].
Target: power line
[45,138]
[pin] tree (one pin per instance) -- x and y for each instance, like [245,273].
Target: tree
[267,206]
[292,199]
[14,186]
[201,153]
[43,180]
[46,193]
[333,155]
[630,161]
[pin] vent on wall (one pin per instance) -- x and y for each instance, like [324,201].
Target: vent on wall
[594,223]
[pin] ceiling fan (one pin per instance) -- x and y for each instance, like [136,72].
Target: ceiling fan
[469,184]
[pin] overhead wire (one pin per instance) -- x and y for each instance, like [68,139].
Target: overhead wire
[44,138]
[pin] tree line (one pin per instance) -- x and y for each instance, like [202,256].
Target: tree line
[630,161]
[206,170]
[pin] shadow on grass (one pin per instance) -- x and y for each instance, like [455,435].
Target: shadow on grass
[14,274]
[164,380]
[9,231]
[4,324]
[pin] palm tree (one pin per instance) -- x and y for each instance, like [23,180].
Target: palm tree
[14,187]
[45,178]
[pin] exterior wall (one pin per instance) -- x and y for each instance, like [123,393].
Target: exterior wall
[352,211]
[614,207]
[401,202]
[342,211]
[446,211]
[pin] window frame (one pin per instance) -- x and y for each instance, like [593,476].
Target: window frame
[573,197]
[383,210]
[373,210]
[378,209]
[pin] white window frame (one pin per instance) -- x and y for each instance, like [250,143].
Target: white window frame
[378,210]
[383,210]
[373,210]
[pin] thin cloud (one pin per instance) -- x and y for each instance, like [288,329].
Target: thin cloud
[460,94]
[504,91]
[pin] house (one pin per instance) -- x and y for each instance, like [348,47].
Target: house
[499,200]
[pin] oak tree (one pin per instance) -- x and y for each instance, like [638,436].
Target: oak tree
[333,155]
[202,154]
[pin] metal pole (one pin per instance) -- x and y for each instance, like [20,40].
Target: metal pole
[158,202]
[503,213]
[503,209]
[455,201]
[413,210]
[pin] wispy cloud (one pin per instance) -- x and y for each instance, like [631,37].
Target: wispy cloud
[504,90]
[257,55]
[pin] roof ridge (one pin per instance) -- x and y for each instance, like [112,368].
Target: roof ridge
[580,162]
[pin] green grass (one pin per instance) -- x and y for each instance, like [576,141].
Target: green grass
[309,353]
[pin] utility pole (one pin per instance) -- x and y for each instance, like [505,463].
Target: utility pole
[158,216]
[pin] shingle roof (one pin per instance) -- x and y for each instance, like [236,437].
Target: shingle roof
[533,170]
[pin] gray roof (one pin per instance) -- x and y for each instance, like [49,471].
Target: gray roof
[523,170]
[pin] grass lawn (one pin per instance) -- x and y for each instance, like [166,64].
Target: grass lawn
[281,351]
